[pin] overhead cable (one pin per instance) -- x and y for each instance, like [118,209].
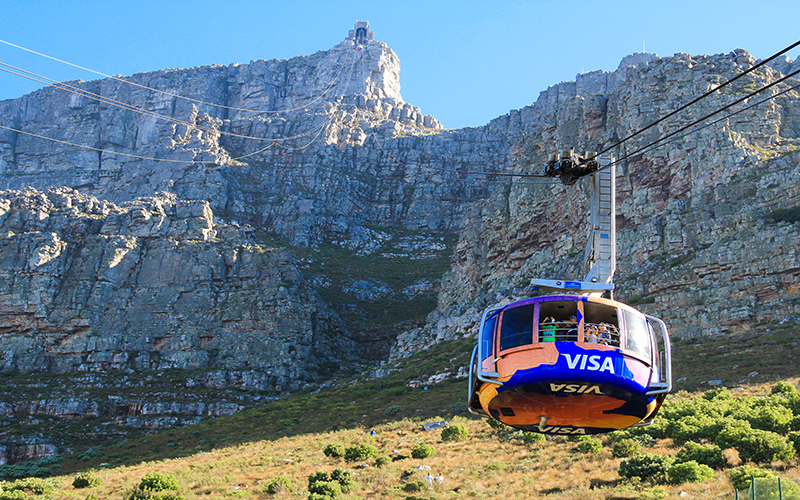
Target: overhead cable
[198,101]
[685,127]
[694,101]
[90,148]
[113,102]
[674,139]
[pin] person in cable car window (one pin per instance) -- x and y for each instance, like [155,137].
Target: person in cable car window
[549,329]
[572,329]
[591,334]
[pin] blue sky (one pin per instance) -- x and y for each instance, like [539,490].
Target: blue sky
[465,62]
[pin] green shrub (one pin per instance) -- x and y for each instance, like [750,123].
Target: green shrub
[326,489]
[358,452]
[414,486]
[334,451]
[496,424]
[22,489]
[731,432]
[654,494]
[794,439]
[423,451]
[532,437]
[740,476]
[689,472]
[91,453]
[158,481]
[770,417]
[382,460]
[393,410]
[625,448]
[646,466]
[707,454]
[456,432]
[278,485]
[86,480]
[783,387]
[344,478]
[589,445]
[320,475]
[764,447]
[91,497]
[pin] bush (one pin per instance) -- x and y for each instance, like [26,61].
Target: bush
[689,472]
[318,476]
[770,417]
[646,466]
[325,489]
[783,387]
[86,480]
[740,476]
[158,481]
[91,453]
[731,432]
[393,410]
[278,485]
[589,445]
[33,485]
[358,452]
[334,451]
[382,460]
[626,447]
[423,451]
[414,486]
[456,432]
[344,478]
[707,454]
[794,439]
[764,447]
[654,494]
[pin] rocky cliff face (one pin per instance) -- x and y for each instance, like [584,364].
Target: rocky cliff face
[153,284]
[707,226]
[198,236]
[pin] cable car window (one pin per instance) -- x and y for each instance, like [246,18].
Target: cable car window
[555,318]
[517,327]
[600,324]
[487,335]
[637,334]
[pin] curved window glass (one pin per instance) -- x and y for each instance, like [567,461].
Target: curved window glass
[637,334]
[517,327]
[487,335]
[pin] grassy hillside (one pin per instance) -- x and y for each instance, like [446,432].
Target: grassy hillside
[238,456]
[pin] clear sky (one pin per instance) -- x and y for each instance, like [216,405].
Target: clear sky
[464,62]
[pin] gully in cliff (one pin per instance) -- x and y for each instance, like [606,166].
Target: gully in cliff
[572,360]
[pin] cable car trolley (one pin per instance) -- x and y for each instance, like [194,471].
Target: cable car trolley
[572,360]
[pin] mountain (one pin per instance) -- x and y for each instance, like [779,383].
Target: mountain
[265,225]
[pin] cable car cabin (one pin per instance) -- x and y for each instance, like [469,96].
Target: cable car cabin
[570,364]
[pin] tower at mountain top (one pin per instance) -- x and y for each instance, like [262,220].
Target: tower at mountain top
[361,32]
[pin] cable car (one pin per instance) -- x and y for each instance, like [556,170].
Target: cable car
[574,361]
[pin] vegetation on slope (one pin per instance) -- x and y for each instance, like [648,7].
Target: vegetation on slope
[698,445]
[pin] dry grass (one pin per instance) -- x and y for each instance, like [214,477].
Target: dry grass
[487,466]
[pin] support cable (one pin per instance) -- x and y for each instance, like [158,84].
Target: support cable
[694,101]
[685,127]
[198,101]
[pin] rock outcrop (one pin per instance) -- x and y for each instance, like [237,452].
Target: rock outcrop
[153,284]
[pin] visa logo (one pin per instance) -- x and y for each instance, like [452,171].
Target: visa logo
[592,363]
